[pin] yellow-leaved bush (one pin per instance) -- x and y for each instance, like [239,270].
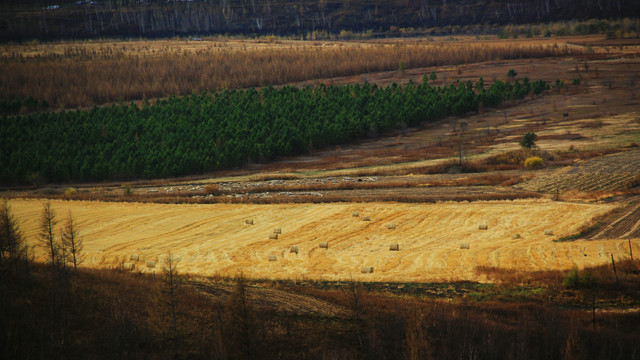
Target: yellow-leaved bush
[533,162]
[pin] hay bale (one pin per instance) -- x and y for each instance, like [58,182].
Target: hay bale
[248,222]
[355,214]
[151,264]
[277,231]
[394,247]
[483,227]
[515,236]
[134,257]
[294,249]
[367,269]
[128,266]
[324,245]
[366,218]
[273,236]
[391,226]
[273,258]
[548,232]
[464,246]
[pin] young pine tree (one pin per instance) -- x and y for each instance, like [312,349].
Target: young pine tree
[12,246]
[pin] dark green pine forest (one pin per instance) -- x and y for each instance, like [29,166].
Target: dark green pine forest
[212,131]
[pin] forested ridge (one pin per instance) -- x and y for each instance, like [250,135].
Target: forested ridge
[205,132]
[29,19]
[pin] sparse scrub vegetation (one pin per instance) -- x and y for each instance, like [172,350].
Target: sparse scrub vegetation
[516,158]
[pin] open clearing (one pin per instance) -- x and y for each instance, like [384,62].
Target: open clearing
[213,239]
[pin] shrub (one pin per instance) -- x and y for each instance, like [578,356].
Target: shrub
[212,189]
[69,192]
[533,162]
[126,189]
[578,279]
[528,140]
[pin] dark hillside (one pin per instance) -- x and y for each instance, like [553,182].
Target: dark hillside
[50,313]
[161,18]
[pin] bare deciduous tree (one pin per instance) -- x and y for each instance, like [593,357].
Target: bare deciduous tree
[47,224]
[241,320]
[71,242]
[171,283]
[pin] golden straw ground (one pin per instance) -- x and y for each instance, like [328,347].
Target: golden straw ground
[212,239]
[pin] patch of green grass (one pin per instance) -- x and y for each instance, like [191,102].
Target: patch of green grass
[581,233]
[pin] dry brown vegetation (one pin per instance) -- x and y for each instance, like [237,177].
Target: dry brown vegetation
[97,74]
[602,277]
[116,314]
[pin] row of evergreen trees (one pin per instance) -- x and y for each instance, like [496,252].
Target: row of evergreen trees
[205,132]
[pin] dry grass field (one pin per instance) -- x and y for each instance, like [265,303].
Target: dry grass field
[213,239]
[136,70]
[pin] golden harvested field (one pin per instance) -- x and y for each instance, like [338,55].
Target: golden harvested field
[213,239]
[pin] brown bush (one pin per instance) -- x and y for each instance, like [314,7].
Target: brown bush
[212,189]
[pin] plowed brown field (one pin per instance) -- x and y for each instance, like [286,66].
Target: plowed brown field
[212,239]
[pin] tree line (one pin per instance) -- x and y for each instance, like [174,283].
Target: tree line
[212,131]
[161,18]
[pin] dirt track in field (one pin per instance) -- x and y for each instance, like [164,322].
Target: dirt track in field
[212,239]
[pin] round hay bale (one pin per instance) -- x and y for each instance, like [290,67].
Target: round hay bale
[128,266]
[294,249]
[367,269]
[151,264]
[355,214]
[277,231]
[515,236]
[464,246]
[548,232]
[248,222]
[273,258]
[366,218]
[394,247]
[391,226]
[273,236]
[483,227]
[324,245]
[134,257]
